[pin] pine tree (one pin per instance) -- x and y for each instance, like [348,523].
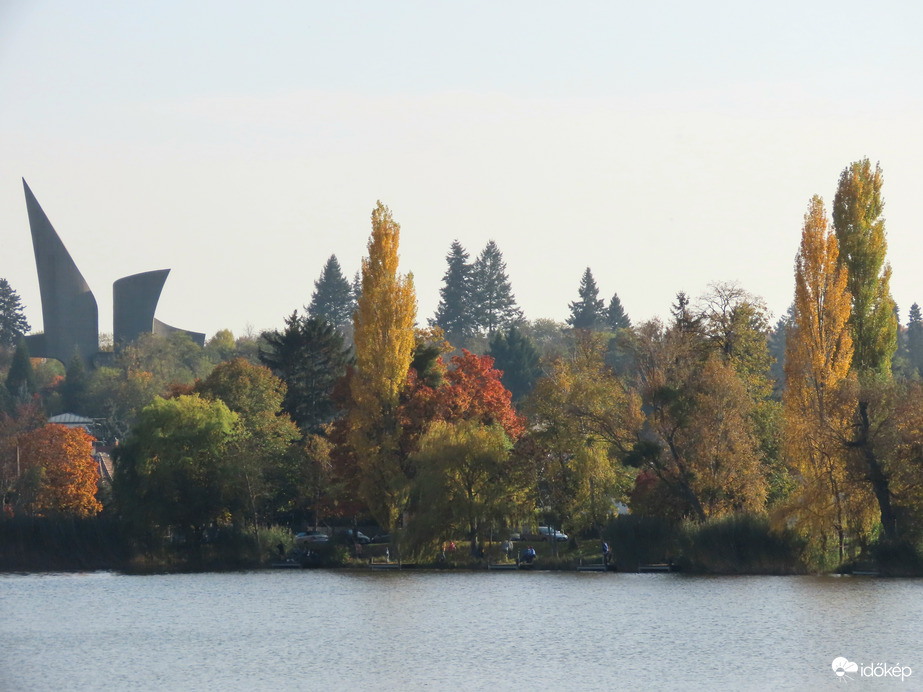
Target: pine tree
[332,297]
[13,324]
[454,314]
[615,316]
[517,358]
[20,380]
[384,343]
[915,339]
[494,304]
[587,313]
[860,232]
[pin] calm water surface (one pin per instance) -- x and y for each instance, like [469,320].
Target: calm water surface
[351,630]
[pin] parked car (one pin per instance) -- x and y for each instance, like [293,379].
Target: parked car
[311,537]
[358,537]
[381,538]
[547,534]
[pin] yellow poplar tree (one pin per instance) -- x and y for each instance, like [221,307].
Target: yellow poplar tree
[819,351]
[384,342]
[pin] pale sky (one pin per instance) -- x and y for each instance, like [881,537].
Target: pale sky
[664,145]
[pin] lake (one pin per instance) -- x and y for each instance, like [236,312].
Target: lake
[361,630]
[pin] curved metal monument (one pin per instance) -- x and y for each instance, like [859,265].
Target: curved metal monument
[69,311]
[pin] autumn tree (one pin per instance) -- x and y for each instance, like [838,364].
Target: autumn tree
[584,422]
[13,324]
[587,311]
[699,439]
[456,311]
[384,343]
[466,481]
[493,301]
[332,299]
[819,352]
[60,474]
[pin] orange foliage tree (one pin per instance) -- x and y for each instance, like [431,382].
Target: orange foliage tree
[60,460]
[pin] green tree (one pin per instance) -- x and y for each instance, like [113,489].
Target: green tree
[221,346]
[13,324]
[915,340]
[310,357]
[455,313]
[173,470]
[615,316]
[384,343]
[495,305]
[20,380]
[76,385]
[518,359]
[467,480]
[264,435]
[587,312]
[860,232]
[332,299]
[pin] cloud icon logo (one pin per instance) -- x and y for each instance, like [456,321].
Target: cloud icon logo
[841,666]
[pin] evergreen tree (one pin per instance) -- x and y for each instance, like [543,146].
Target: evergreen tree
[13,324]
[860,232]
[356,290]
[454,314]
[615,316]
[494,303]
[309,356]
[76,385]
[517,358]
[587,313]
[20,380]
[915,339]
[332,299]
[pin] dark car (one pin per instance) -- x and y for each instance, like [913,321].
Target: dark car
[358,537]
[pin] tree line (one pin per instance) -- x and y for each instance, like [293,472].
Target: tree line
[483,420]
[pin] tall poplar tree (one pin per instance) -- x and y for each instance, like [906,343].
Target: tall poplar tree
[587,312]
[384,343]
[819,352]
[455,311]
[494,304]
[332,298]
[860,233]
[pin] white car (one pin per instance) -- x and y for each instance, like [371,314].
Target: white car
[547,534]
[311,537]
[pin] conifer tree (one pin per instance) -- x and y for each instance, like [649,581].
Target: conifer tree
[454,313]
[860,233]
[384,343]
[13,324]
[494,303]
[915,339]
[615,316]
[517,358]
[332,297]
[587,312]
[20,380]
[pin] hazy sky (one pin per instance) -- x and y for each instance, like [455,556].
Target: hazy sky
[664,145]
